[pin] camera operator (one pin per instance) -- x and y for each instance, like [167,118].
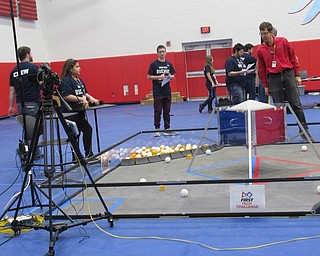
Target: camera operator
[74,91]
[31,89]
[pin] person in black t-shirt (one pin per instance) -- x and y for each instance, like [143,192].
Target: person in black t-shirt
[30,87]
[248,59]
[236,74]
[74,91]
[211,81]
[161,72]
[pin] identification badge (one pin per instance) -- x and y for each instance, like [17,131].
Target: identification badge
[274,64]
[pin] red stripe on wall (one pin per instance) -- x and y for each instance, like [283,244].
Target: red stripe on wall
[28,10]
[5,9]
[105,77]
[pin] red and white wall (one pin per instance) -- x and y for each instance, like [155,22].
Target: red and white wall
[115,41]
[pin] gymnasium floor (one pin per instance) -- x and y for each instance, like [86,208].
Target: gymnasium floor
[170,235]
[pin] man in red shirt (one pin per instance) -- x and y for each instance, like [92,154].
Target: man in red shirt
[279,72]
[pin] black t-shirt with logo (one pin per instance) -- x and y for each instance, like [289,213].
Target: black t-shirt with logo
[71,86]
[234,64]
[157,68]
[31,88]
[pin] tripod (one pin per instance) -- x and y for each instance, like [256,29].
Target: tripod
[48,108]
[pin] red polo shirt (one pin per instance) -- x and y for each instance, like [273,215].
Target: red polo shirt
[282,53]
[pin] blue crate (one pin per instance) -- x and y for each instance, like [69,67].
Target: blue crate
[232,128]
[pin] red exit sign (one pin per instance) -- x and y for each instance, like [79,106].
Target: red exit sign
[205,30]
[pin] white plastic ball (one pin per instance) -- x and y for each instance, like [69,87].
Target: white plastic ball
[143,180]
[304,148]
[184,192]
[167,159]
[318,189]
[208,152]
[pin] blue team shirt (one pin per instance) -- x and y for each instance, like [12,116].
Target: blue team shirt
[70,86]
[157,68]
[233,64]
[31,88]
[249,59]
[207,69]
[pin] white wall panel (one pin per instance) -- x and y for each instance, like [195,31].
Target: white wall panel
[98,28]
[28,32]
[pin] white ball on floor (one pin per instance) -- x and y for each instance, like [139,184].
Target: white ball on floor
[304,148]
[184,192]
[143,180]
[167,159]
[208,152]
[318,189]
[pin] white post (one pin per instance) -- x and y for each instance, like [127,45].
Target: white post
[249,127]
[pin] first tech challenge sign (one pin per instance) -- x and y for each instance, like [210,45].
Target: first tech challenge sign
[247,198]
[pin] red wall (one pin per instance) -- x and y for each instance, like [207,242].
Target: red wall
[5,69]
[105,77]
[195,61]
[309,54]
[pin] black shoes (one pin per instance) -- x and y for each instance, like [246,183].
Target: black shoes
[304,137]
[200,108]
[88,158]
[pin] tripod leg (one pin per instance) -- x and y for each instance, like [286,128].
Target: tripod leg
[75,146]
[26,166]
[203,136]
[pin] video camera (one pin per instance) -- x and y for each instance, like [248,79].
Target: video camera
[46,78]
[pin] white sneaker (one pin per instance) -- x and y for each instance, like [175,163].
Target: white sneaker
[157,134]
[170,133]
[94,160]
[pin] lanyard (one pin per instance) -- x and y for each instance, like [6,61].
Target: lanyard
[273,53]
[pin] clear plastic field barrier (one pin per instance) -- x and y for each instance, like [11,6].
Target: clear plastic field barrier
[225,199]
[287,173]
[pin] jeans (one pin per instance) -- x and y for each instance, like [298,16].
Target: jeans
[283,85]
[208,101]
[162,103]
[261,93]
[237,92]
[86,129]
[30,108]
[250,88]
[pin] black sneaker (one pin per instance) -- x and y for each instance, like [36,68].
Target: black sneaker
[37,155]
[88,155]
[200,108]
[304,137]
